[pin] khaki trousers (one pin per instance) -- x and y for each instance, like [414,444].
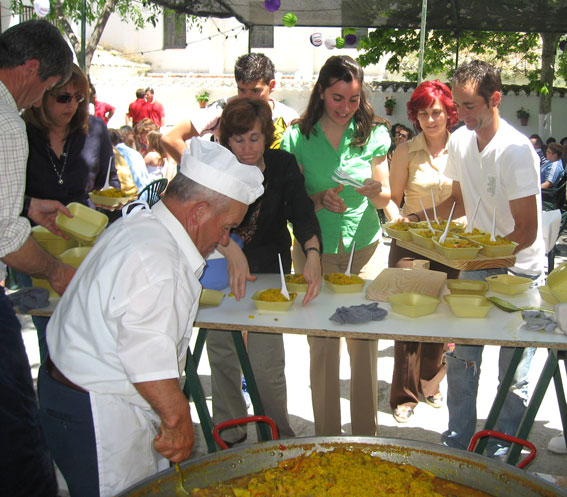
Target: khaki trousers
[325,356]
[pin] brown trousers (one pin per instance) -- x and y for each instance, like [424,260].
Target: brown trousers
[325,356]
[418,366]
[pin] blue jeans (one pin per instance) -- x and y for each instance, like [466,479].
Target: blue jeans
[26,468]
[463,372]
[67,420]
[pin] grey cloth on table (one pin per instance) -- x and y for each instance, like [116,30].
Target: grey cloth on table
[359,314]
[549,321]
[29,298]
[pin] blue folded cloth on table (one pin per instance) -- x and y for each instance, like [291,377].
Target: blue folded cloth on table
[27,299]
[355,314]
[550,321]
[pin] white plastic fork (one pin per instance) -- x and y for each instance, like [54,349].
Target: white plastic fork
[444,235]
[426,216]
[434,208]
[107,181]
[347,272]
[339,173]
[285,293]
[470,225]
[492,234]
[344,181]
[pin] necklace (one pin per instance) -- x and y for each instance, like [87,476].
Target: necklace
[64,155]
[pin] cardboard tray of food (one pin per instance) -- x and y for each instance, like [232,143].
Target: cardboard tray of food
[479,262]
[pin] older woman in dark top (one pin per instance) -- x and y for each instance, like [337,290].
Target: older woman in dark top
[247,129]
[69,151]
[69,154]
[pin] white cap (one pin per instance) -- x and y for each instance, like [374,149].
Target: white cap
[217,168]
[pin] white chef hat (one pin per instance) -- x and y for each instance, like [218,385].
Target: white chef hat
[217,168]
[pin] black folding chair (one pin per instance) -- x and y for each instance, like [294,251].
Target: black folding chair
[152,192]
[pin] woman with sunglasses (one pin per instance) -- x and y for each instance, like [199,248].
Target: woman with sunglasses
[69,151]
[69,155]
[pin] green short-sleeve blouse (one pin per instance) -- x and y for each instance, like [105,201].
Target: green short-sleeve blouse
[318,158]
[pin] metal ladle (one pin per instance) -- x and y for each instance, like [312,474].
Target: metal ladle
[179,488]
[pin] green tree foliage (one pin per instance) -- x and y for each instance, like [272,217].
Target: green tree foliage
[401,46]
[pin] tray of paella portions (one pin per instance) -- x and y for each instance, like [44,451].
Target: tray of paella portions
[460,250]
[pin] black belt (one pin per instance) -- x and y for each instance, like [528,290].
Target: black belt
[60,377]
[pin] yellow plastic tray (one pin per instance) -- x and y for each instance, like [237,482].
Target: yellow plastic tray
[493,250]
[468,306]
[398,234]
[423,241]
[457,253]
[413,305]
[545,294]
[74,256]
[211,297]
[85,225]
[50,242]
[273,306]
[109,201]
[467,287]
[351,288]
[508,284]
[295,287]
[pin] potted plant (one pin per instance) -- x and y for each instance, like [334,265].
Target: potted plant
[389,105]
[523,115]
[203,98]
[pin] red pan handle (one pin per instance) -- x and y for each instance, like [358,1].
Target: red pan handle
[509,438]
[242,421]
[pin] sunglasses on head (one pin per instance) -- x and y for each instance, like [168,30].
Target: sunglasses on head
[65,98]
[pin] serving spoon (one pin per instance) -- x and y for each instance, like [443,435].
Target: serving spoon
[179,488]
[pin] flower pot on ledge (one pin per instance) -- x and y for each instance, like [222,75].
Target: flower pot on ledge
[202,104]
[523,122]
[388,110]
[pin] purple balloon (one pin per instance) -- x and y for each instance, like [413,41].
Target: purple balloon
[350,39]
[272,5]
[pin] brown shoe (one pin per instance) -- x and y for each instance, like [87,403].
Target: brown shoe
[403,413]
[435,400]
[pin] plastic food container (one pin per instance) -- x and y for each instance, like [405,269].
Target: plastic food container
[211,297]
[110,201]
[413,305]
[457,253]
[508,283]
[399,231]
[557,282]
[85,225]
[421,237]
[493,250]
[50,242]
[263,305]
[42,283]
[295,286]
[467,287]
[356,286]
[547,296]
[468,306]
[74,256]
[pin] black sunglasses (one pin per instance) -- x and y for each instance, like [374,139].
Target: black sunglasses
[65,98]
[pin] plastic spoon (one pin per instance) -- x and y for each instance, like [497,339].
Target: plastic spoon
[434,209]
[285,293]
[107,182]
[470,224]
[444,235]
[492,237]
[426,217]
[347,272]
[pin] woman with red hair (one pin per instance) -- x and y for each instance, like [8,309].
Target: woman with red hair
[416,172]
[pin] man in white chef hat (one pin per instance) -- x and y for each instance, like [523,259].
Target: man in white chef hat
[110,400]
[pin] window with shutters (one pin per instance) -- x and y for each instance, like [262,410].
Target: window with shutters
[174,30]
[261,37]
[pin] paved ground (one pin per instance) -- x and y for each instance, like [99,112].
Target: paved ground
[426,425]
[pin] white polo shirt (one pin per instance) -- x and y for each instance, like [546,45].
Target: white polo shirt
[128,313]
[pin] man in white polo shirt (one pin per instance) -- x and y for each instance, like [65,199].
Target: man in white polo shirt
[110,400]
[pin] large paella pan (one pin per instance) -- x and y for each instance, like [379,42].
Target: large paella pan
[487,475]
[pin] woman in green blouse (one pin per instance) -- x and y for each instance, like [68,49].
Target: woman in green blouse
[339,129]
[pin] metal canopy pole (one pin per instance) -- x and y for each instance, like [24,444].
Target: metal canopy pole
[422,40]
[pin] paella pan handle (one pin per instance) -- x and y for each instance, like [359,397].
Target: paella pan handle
[242,421]
[496,434]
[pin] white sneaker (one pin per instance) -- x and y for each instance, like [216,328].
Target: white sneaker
[557,445]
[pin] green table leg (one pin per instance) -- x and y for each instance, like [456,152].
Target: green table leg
[199,345]
[250,382]
[560,391]
[500,397]
[194,389]
[549,371]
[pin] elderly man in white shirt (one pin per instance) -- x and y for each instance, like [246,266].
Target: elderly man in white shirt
[110,400]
